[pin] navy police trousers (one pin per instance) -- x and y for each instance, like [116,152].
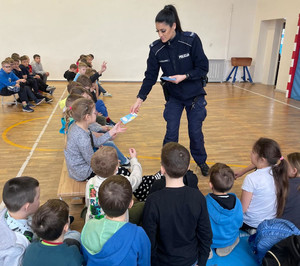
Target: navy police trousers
[196,114]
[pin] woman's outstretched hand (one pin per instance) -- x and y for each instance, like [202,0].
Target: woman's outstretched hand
[136,107]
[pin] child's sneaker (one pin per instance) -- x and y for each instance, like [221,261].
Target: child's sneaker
[107,94]
[222,252]
[50,89]
[27,109]
[39,101]
[48,100]
[31,105]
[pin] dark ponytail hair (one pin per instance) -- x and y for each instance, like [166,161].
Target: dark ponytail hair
[270,150]
[169,16]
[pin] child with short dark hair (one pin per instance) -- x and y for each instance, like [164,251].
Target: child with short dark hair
[51,223]
[224,209]
[111,240]
[37,68]
[176,218]
[21,196]
[32,83]
[25,67]
[70,74]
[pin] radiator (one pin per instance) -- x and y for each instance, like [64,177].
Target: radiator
[216,70]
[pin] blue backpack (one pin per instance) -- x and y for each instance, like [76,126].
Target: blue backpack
[270,232]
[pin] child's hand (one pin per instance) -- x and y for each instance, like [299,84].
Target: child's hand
[103,67]
[132,153]
[238,174]
[243,171]
[117,129]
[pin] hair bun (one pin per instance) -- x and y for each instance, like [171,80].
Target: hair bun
[168,7]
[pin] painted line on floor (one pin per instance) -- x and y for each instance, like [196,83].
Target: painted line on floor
[39,137]
[5,138]
[2,205]
[270,98]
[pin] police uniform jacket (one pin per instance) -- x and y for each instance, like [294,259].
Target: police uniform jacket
[181,55]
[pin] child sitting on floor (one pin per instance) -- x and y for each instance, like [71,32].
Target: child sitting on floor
[176,218]
[112,240]
[224,209]
[51,223]
[291,209]
[264,191]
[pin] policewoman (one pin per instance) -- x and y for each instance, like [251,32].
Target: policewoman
[181,57]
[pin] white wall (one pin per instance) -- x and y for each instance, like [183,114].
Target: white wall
[274,10]
[118,31]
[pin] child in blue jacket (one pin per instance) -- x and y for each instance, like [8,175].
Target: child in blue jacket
[111,240]
[225,210]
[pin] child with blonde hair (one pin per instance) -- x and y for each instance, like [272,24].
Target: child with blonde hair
[82,67]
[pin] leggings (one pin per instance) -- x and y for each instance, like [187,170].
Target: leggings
[143,189]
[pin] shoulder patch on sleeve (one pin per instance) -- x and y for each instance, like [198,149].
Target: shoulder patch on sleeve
[189,34]
[187,38]
[154,43]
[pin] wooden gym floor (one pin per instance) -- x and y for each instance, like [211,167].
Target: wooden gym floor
[237,116]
